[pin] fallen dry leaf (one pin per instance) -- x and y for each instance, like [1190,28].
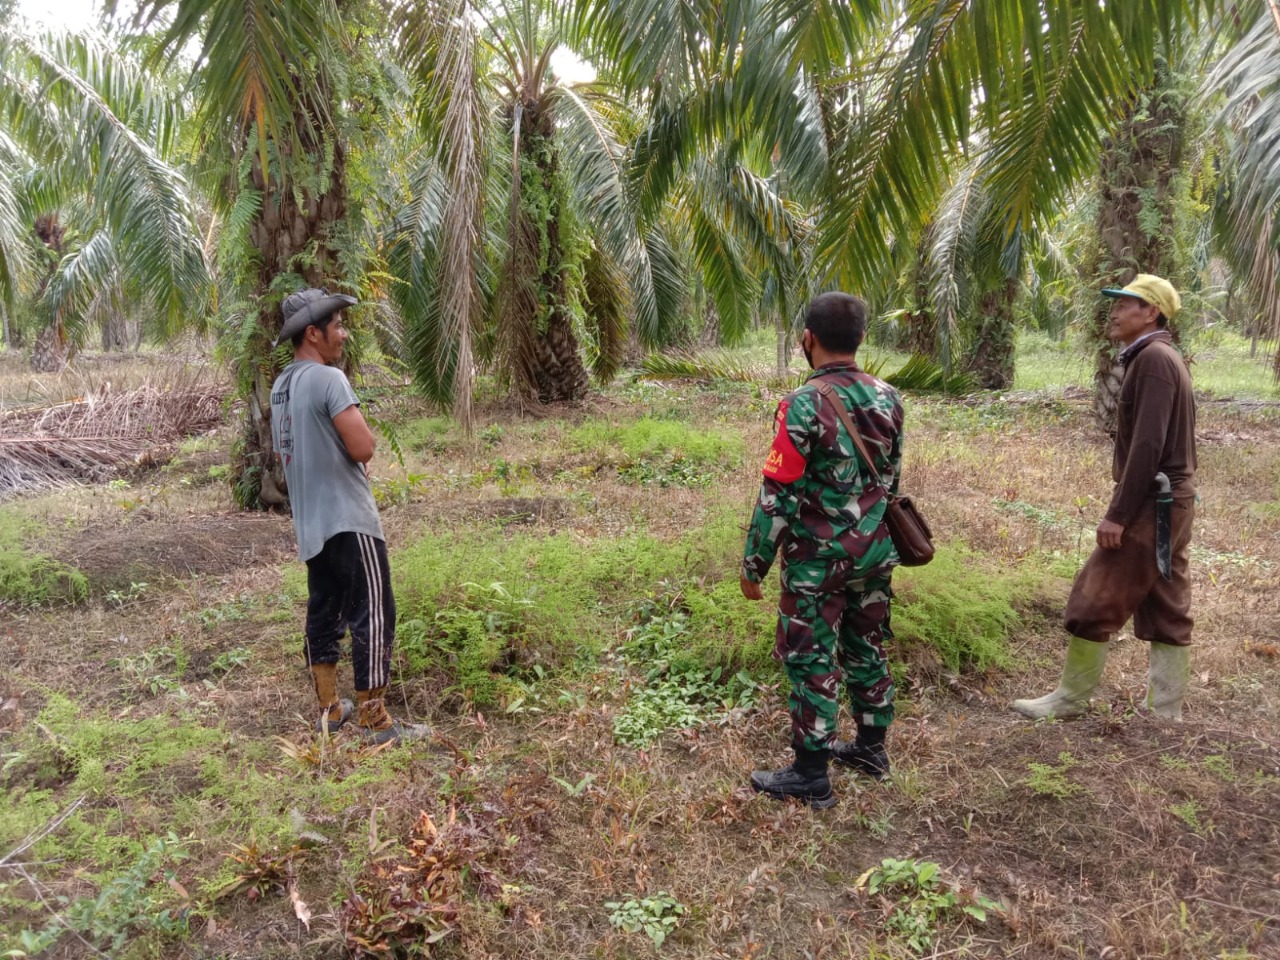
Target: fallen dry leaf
[300,908]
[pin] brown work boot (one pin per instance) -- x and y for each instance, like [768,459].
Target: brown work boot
[333,712]
[377,726]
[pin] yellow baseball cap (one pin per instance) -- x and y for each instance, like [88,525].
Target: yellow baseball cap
[1150,289]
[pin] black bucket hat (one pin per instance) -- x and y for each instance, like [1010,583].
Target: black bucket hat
[309,306]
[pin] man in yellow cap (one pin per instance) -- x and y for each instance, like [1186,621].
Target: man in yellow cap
[1140,568]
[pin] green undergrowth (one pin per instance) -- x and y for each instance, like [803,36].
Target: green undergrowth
[432,434]
[962,608]
[128,795]
[494,611]
[677,689]
[1222,365]
[133,914]
[30,579]
[143,777]
[488,607]
[660,452]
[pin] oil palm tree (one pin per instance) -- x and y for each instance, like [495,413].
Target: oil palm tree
[1139,188]
[976,105]
[518,246]
[581,215]
[284,94]
[91,210]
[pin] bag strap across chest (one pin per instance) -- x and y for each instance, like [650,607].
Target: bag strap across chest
[829,393]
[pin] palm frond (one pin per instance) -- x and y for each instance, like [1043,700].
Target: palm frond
[952,240]
[890,159]
[921,374]
[1042,78]
[82,277]
[414,258]
[820,34]
[103,434]
[132,192]
[704,367]
[601,187]
[669,275]
[608,305]
[1246,79]
[719,254]
[262,64]
[660,45]
[463,139]
[1051,139]
[13,229]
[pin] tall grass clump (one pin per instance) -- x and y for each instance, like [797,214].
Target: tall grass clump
[660,452]
[962,608]
[30,579]
[433,434]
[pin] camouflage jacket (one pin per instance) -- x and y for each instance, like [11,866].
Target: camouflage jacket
[818,502]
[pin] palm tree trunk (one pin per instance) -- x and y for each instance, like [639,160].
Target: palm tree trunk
[709,337]
[922,332]
[51,351]
[992,358]
[784,348]
[560,372]
[1136,213]
[920,324]
[537,328]
[115,332]
[282,233]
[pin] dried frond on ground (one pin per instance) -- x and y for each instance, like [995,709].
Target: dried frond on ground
[93,438]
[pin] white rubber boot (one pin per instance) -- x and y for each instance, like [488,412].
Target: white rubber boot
[1167,679]
[1080,675]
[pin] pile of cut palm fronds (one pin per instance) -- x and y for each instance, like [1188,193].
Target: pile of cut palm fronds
[919,374]
[93,438]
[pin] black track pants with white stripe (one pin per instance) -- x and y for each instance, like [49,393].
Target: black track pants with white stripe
[349,582]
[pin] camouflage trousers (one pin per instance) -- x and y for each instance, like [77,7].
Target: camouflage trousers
[824,638]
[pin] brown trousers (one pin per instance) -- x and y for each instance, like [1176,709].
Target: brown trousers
[1115,585]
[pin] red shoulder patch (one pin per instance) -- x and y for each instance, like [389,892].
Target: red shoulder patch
[785,463]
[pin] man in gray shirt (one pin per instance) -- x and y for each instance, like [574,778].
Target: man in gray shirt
[325,445]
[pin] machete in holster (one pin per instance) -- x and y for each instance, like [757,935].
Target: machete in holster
[1164,527]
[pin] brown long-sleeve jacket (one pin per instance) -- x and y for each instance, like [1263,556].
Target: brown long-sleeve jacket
[1155,427]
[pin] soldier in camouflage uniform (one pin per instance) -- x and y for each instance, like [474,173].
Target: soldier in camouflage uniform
[821,506]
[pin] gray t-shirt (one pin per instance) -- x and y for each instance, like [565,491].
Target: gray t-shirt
[328,490]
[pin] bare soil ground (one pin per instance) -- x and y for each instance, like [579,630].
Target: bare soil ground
[1115,836]
[114,554]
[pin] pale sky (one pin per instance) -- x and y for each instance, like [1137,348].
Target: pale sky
[69,14]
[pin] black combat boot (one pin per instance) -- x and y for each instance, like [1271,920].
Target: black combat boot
[805,780]
[865,754]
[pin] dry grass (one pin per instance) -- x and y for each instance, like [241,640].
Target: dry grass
[93,373]
[1166,844]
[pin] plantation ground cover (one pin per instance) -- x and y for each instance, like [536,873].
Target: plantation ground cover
[568,602]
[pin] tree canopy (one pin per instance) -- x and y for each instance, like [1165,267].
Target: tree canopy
[729,159]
